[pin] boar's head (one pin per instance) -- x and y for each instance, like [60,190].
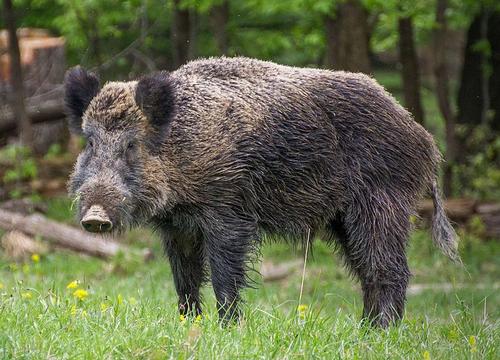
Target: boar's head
[119,180]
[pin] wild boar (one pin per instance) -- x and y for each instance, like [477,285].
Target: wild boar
[224,150]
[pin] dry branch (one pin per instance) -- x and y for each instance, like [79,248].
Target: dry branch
[60,234]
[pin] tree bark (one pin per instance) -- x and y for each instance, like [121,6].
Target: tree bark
[443,92]
[23,122]
[473,105]
[180,34]
[193,34]
[219,16]
[348,46]
[484,65]
[410,69]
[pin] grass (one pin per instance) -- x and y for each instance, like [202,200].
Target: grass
[130,310]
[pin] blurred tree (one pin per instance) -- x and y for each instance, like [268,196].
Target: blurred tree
[219,16]
[443,92]
[348,38]
[479,92]
[410,67]
[16,77]
[182,33]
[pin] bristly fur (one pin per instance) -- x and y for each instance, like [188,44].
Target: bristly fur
[80,88]
[155,96]
[443,234]
[253,147]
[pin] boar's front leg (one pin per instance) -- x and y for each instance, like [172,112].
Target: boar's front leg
[185,253]
[229,241]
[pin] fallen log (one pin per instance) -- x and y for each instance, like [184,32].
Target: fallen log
[456,209]
[490,216]
[461,211]
[49,110]
[60,234]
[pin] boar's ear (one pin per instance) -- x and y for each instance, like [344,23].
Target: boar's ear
[154,95]
[80,87]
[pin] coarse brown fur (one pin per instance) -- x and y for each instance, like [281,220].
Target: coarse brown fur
[223,150]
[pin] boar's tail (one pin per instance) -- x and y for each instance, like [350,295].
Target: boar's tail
[443,234]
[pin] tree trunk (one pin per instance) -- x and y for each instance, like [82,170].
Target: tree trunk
[442,90]
[219,16]
[193,35]
[347,36]
[95,43]
[23,121]
[180,34]
[475,82]
[484,65]
[410,69]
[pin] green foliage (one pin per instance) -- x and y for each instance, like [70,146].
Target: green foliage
[18,165]
[386,36]
[290,31]
[479,175]
[55,150]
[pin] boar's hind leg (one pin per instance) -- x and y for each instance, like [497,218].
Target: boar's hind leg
[373,236]
[229,243]
[185,253]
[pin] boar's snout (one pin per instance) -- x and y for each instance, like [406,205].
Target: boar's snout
[96,220]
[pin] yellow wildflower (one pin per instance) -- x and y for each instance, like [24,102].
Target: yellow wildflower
[80,294]
[73,284]
[182,318]
[197,319]
[472,343]
[302,308]
[26,295]
[35,258]
[73,310]
[427,355]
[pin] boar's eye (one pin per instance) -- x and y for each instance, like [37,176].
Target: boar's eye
[131,146]
[131,150]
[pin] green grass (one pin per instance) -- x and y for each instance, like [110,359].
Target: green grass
[130,310]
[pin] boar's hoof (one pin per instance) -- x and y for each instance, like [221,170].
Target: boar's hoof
[96,220]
